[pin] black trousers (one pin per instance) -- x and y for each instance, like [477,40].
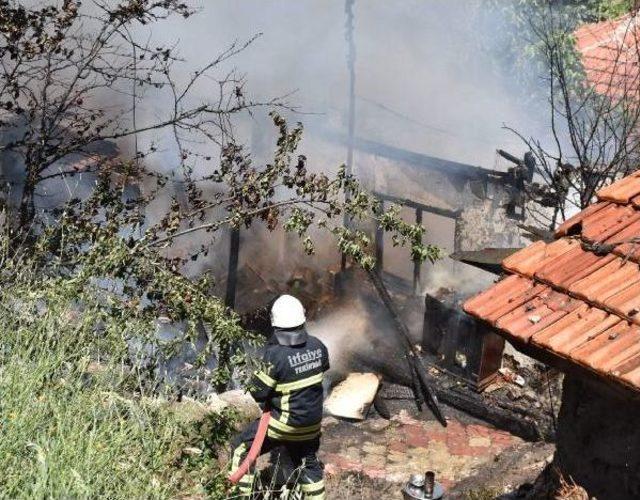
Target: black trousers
[303,455]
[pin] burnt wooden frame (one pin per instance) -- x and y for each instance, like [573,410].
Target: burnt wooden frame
[419,208]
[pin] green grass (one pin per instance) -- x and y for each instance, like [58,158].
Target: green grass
[75,420]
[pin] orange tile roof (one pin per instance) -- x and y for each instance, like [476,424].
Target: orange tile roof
[578,298]
[609,52]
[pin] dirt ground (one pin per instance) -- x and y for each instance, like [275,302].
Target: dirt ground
[374,458]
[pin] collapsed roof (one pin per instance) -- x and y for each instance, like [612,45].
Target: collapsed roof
[576,300]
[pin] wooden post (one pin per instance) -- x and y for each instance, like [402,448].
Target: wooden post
[457,235]
[232,270]
[351,66]
[416,263]
[489,357]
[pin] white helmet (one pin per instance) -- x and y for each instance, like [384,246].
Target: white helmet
[287,312]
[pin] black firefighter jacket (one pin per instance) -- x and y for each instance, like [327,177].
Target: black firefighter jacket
[289,383]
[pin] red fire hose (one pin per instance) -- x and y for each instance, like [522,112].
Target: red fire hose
[254,451]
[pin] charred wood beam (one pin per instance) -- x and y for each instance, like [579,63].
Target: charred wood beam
[232,270]
[381,406]
[518,176]
[415,387]
[518,419]
[427,162]
[528,163]
[452,214]
[417,265]
[523,422]
[413,356]
[509,157]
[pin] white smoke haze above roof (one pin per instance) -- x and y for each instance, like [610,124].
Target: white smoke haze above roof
[428,74]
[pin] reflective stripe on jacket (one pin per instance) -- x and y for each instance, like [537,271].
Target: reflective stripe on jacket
[289,382]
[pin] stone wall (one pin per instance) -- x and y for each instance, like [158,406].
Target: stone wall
[484,224]
[478,198]
[598,441]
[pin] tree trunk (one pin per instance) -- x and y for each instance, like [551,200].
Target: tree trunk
[27,207]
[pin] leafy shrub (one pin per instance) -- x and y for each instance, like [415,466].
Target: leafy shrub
[75,416]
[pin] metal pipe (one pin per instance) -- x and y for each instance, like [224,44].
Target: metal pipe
[429,483]
[351,66]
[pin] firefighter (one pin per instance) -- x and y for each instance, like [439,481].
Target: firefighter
[288,383]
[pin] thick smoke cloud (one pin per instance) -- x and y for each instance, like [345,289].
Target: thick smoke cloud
[428,75]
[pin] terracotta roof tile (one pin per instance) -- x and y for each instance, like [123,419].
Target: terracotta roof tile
[520,320]
[629,374]
[629,251]
[538,312]
[575,329]
[620,351]
[609,279]
[609,52]
[625,234]
[607,343]
[578,297]
[528,260]
[608,222]
[498,308]
[568,267]
[567,226]
[626,303]
[510,286]
[628,365]
[627,241]
[621,191]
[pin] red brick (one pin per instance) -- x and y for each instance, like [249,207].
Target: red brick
[455,427]
[458,445]
[398,445]
[437,436]
[341,463]
[479,451]
[478,430]
[374,473]
[416,435]
[502,439]
[446,483]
